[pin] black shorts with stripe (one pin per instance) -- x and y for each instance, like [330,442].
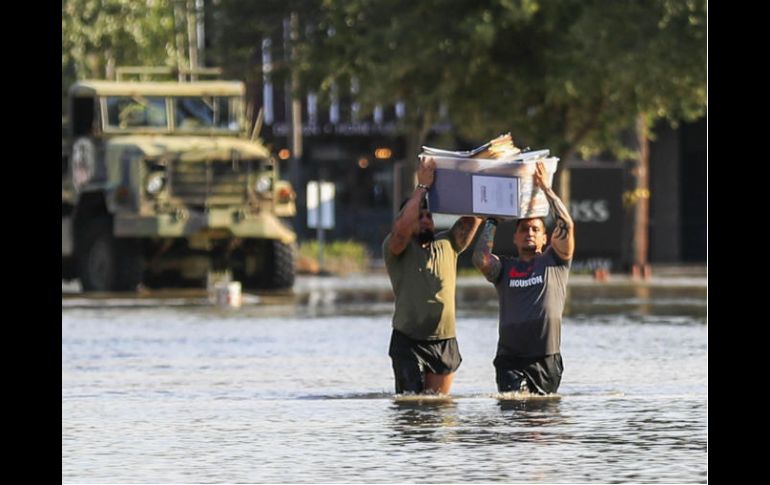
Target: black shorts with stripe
[413,358]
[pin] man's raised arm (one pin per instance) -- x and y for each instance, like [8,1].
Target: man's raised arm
[407,218]
[483,259]
[563,237]
[463,231]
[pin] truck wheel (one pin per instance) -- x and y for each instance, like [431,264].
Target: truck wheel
[96,256]
[264,264]
[105,263]
[280,267]
[130,264]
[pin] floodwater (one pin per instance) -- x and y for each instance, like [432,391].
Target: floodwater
[298,388]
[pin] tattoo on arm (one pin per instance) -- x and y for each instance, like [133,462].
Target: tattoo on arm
[563,238]
[464,230]
[483,258]
[563,219]
[561,231]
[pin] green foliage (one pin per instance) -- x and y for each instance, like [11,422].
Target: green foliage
[122,32]
[571,75]
[421,52]
[339,256]
[239,27]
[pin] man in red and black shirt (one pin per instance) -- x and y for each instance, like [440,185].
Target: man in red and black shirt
[532,290]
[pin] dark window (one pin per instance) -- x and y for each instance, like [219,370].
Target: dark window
[82,116]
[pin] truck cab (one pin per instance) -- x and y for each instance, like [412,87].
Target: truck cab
[162,183]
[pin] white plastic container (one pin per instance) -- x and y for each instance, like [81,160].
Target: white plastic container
[485,187]
[228,293]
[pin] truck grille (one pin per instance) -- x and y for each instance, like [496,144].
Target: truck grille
[210,183]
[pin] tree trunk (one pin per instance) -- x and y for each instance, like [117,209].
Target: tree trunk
[109,69]
[180,27]
[296,105]
[192,38]
[641,202]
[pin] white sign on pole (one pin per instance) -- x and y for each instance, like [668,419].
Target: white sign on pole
[327,204]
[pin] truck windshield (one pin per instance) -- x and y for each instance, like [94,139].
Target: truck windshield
[204,113]
[136,112]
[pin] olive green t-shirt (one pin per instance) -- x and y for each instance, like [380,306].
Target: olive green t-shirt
[423,281]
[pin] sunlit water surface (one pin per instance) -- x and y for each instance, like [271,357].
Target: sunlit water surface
[302,392]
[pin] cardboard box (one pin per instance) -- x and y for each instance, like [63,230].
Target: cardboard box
[485,187]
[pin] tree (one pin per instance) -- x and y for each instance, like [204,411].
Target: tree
[575,76]
[629,64]
[97,35]
[426,53]
[571,75]
[237,30]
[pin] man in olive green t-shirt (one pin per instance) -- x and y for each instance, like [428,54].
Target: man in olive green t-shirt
[423,270]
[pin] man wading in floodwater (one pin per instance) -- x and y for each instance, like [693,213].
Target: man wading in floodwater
[423,272]
[532,290]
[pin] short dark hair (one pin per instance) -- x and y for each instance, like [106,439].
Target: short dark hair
[423,204]
[542,219]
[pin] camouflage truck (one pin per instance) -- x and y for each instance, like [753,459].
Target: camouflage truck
[162,184]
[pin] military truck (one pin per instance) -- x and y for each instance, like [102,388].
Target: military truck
[162,184]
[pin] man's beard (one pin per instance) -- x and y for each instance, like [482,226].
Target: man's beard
[425,236]
[533,250]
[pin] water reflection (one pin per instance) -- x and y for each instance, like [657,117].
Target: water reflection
[637,301]
[424,420]
[372,295]
[184,388]
[533,408]
[532,420]
[479,422]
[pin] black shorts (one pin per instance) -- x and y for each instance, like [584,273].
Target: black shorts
[540,375]
[412,358]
